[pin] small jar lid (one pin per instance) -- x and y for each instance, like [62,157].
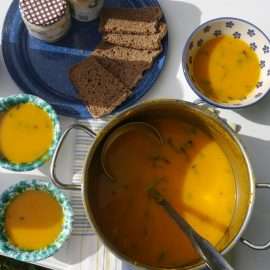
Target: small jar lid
[43,12]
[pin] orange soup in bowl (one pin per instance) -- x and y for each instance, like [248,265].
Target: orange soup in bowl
[189,168]
[226,69]
[33,220]
[26,133]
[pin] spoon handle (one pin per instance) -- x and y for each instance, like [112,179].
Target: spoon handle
[212,257]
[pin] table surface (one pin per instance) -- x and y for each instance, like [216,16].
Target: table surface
[183,17]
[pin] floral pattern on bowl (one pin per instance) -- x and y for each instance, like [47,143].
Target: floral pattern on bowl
[238,29]
[10,250]
[10,101]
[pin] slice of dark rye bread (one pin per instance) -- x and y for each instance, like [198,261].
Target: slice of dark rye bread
[130,20]
[126,64]
[141,42]
[98,88]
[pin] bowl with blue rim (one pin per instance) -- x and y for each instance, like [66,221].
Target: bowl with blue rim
[7,247]
[238,29]
[9,102]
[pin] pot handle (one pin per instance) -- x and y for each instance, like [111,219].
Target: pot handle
[248,243]
[235,127]
[53,175]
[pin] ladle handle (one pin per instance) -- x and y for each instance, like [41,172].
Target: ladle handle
[213,259]
[53,175]
[266,245]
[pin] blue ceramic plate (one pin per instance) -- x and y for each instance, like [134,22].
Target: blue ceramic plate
[8,248]
[41,68]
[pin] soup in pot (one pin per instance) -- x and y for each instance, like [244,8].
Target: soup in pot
[189,168]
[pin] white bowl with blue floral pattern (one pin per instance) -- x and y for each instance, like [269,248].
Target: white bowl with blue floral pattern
[8,102]
[7,248]
[238,29]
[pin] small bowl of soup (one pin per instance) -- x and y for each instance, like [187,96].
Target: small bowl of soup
[29,132]
[35,220]
[226,62]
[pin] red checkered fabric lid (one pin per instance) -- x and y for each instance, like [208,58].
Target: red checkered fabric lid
[43,12]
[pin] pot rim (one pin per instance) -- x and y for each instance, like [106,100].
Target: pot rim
[112,123]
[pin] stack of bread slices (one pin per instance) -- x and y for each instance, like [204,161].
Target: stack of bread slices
[130,43]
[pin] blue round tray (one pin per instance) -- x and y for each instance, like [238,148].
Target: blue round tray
[42,69]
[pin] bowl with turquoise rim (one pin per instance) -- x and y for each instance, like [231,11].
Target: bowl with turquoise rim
[7,248]
[237,29]
[8,102]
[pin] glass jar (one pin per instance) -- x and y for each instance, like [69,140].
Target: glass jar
[86,10]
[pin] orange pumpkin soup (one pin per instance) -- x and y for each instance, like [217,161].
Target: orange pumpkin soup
[190,169]
[26,133]
[33,220]
[226,69]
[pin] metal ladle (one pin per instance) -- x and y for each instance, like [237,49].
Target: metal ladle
[211,256]
[129,127]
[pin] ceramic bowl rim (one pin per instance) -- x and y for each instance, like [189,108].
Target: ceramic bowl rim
[15,190]
[13,100]
[192,85]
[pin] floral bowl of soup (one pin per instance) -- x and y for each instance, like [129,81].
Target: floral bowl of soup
[198,164]
[226,62]
[29,132]
[35,220]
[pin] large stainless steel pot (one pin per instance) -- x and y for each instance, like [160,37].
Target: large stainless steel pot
[199,115]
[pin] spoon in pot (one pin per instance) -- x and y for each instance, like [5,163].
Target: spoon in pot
[150,130]
[211,256]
